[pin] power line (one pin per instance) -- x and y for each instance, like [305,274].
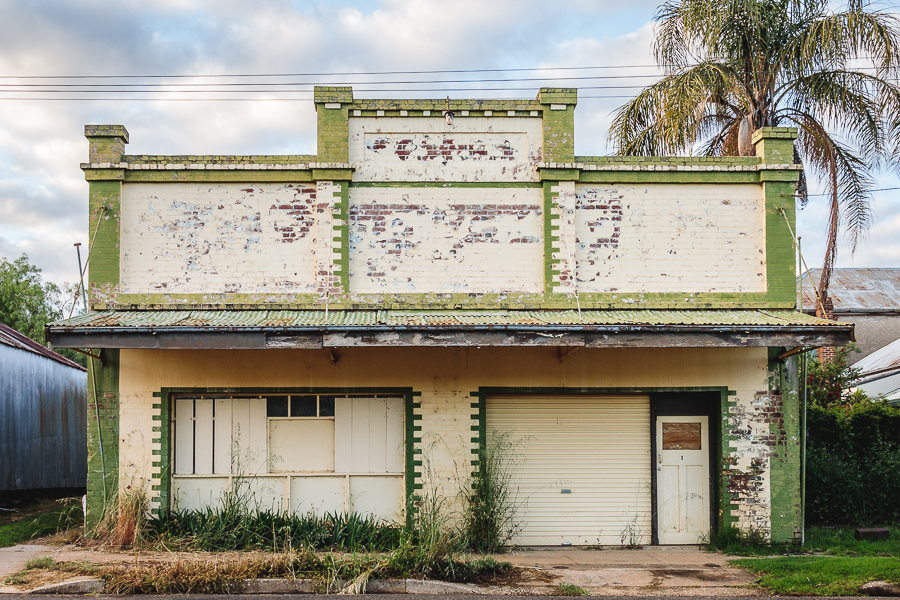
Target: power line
[96,99]
[237,75]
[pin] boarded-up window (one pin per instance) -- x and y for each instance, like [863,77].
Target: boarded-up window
[681,436]
[284,433]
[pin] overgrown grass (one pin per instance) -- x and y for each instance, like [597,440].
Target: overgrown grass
[820,575]
[329,572]
[570,589]
[232,529]
[492,499]
[741,542]
[53,518]
[839,541]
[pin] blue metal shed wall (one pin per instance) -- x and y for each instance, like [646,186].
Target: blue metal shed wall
[43,422]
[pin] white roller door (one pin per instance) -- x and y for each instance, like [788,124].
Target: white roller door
[582,466]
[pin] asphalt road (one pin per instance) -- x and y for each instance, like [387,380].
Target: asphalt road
[402,597]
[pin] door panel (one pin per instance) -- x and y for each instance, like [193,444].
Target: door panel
[682,478]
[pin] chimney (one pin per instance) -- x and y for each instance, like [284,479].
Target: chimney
[826,354]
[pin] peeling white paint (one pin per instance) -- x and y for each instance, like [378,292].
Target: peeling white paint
[471,149]
[234,238]
[670,238]
[463,240]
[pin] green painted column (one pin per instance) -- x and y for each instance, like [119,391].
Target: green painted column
[775,148]
[102,434]
[559,123]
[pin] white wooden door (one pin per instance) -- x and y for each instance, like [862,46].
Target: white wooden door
[682,479]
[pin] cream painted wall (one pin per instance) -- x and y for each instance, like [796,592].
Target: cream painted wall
[446,240]
[474,149]
[445,377]
[686,238]
[215,238]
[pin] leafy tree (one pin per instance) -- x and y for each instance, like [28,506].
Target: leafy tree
[733,66]
[28,303]
[828,383]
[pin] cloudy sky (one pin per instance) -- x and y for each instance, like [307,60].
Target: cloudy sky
[43,195]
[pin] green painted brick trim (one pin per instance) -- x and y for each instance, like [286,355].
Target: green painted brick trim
[559,135]
[103,397]
[184,176]
[692,177]
[549,247]
[103,271]
[104,174]
[333,133]
[445,184]
[344,215]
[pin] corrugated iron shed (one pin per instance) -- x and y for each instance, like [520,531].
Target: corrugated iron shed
[11,337]
[43,404]
[880,360]
[856,290]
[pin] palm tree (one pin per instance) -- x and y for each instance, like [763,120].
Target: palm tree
[733,66]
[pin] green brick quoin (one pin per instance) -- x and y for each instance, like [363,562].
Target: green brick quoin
[559,125]
[103,398]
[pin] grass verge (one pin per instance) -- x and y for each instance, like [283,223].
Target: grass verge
[839,541]
[820,575]
[48,518]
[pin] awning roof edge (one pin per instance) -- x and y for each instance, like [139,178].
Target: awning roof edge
[317,329]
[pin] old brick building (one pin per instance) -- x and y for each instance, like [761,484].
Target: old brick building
[350,328]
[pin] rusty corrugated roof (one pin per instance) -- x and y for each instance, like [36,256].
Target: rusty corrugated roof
[857,290]
[432,319]
[12,338]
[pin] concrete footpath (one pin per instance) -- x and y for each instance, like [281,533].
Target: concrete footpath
[654,571]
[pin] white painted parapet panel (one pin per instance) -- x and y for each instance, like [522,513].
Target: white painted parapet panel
[670,238]
[446,240]
[218,238]
[474,149]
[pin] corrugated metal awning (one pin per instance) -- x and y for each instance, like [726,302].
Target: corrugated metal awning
[320,328]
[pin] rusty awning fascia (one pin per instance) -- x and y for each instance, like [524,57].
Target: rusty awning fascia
[315,329]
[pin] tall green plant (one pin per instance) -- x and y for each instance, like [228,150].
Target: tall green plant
[491,519]
[734,66]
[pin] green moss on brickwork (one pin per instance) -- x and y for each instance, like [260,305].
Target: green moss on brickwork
[248,177]
[103,270]
[775,145]
[333,134]
[785,427]
[103,465]
[559,125]
[780,261]
[324,93]
[106,142]
[218,159]
[344,234]
[670,160]
[687,177]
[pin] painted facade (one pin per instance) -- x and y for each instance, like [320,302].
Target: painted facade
[347,331]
